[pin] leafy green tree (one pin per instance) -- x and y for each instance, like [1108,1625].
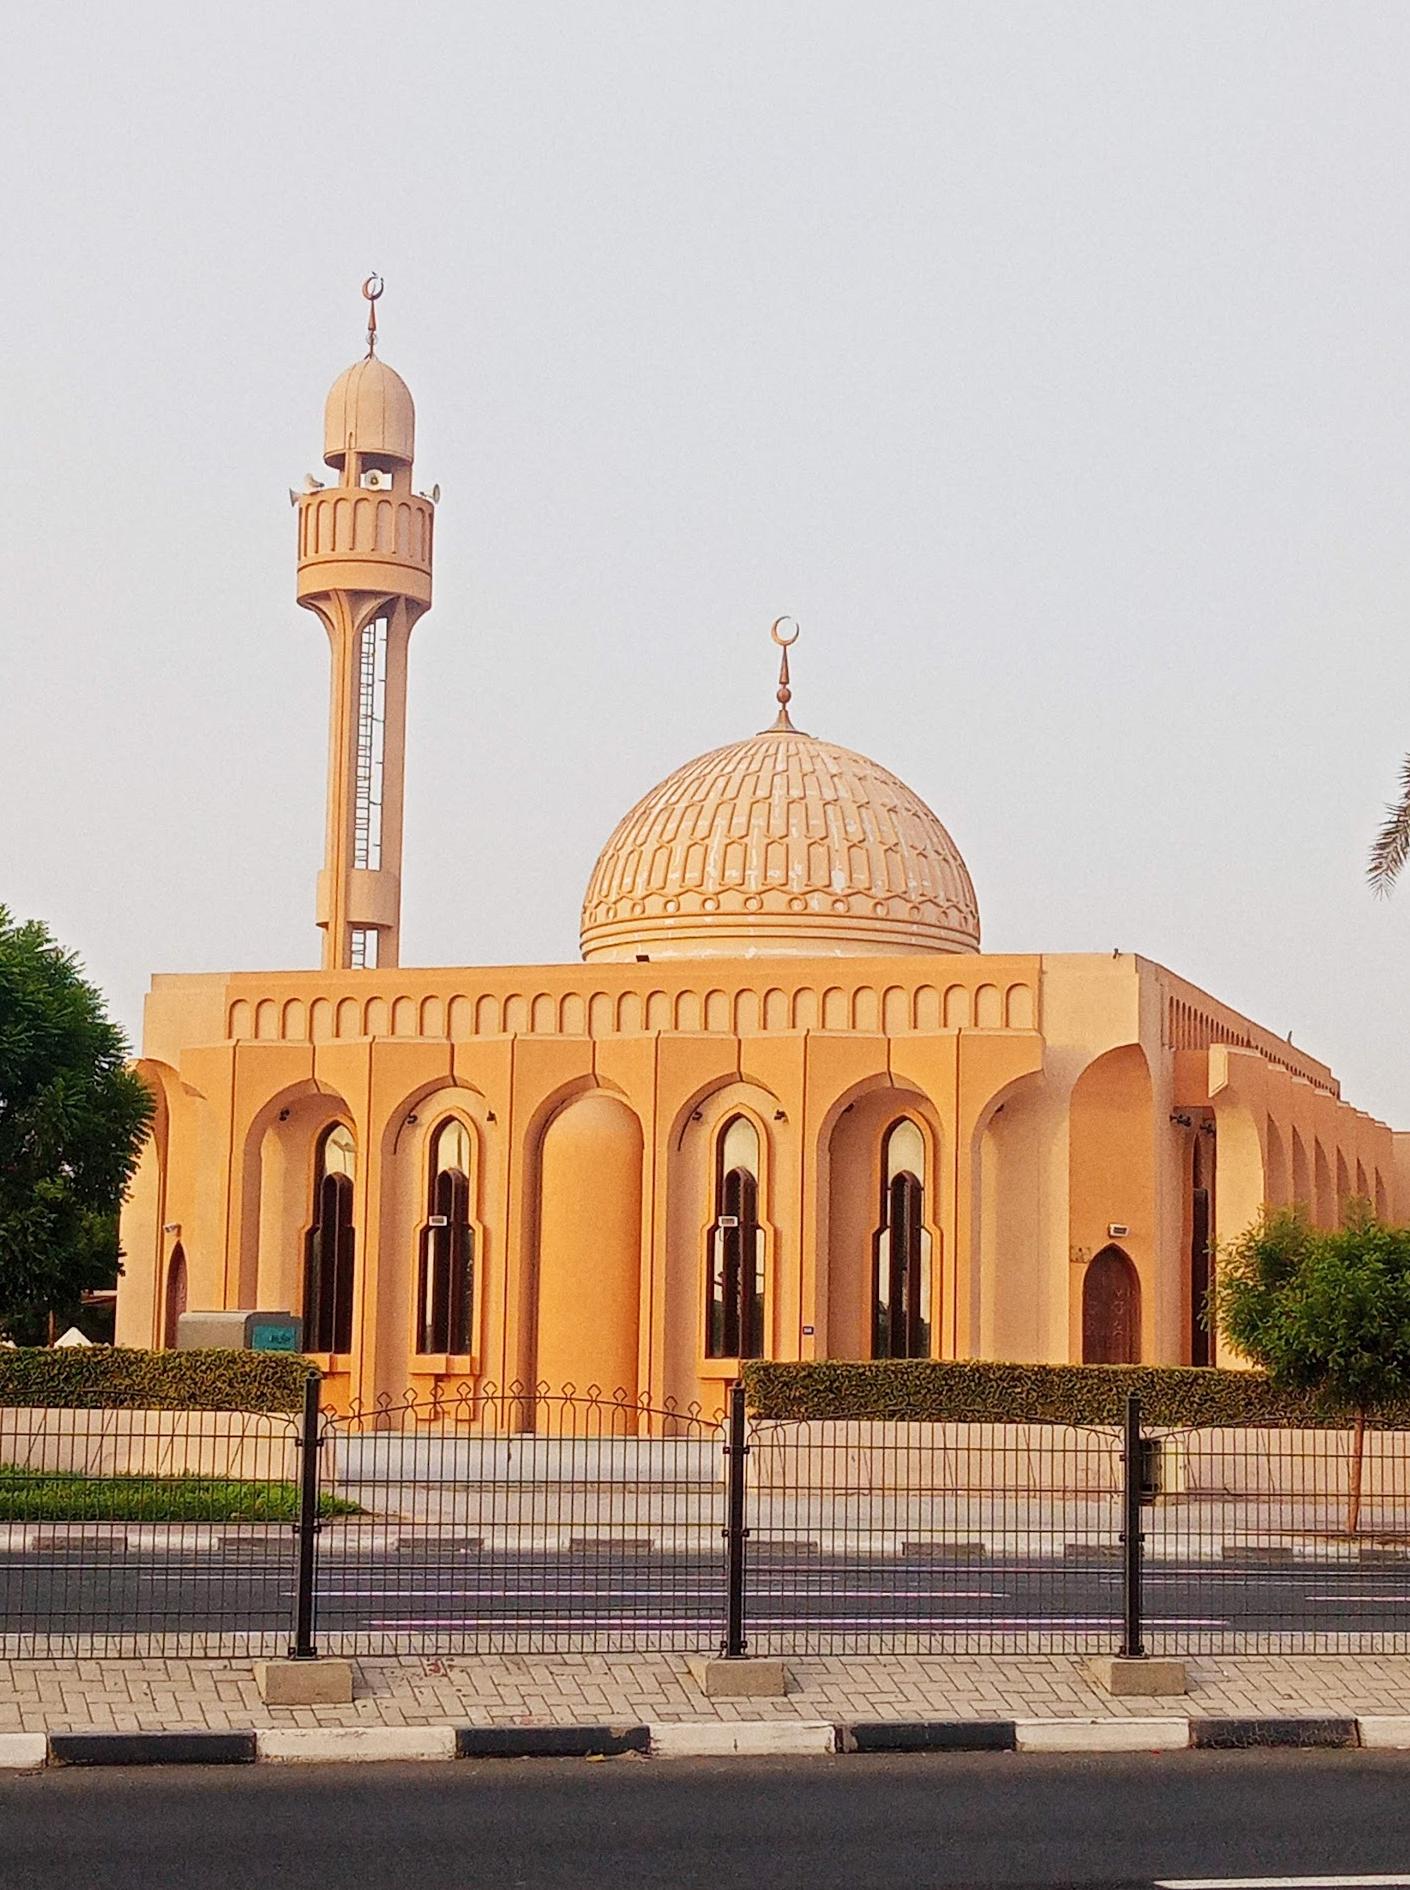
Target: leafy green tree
[73,1118]
[1325,1312]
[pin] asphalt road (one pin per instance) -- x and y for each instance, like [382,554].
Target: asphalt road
[1012,1820]
[624,1598]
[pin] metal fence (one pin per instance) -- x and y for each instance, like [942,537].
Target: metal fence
[929,1538]
[524,1520]
[131,1532]
[535,1520]
[1281,1541]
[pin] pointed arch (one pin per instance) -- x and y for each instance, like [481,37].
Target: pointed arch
[1302,1191]
[330,1245]
[445,1275]
[587,1310]
[1345,1192]
[1276,1184]
[734,1278]
[1112,1187]
[174,1301]
[1203,1170]
[902,1247]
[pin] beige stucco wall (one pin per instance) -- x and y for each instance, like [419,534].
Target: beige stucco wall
[1045,1087]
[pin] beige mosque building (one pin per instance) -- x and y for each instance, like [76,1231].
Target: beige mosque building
[785,1107]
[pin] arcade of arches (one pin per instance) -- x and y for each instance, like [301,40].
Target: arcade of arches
[642,1208]
[785,1106]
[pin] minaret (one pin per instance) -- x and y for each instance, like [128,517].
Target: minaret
[365,567]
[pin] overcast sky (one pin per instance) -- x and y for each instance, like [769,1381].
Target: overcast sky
[1050,363]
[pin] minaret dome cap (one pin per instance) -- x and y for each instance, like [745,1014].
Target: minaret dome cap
[369,410]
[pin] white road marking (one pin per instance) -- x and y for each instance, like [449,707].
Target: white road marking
[492,1592]
[1400,1598]
[1280,1883]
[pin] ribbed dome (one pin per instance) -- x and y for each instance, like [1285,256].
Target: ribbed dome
[369,408]
[779,845]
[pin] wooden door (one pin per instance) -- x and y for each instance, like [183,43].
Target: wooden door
[1111,1310]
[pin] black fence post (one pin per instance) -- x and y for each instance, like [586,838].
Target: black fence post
[736,1452]
[1133,1646]
[310,1443]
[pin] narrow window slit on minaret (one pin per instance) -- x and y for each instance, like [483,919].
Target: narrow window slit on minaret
[371,731]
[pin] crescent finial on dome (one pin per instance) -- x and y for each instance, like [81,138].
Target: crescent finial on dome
[785,644]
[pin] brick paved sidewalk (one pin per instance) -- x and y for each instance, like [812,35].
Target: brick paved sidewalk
[562,1689]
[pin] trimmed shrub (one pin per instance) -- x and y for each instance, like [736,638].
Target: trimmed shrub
[976,1391]
[124,1378]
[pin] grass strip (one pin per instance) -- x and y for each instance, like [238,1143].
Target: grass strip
[38,1496]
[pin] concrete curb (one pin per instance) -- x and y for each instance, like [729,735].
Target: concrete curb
[928,1735]
[696,1739]
[339,1744]
[1103,1735]
[1387,1732]
[1236,1735]
[746,1738]
[152,1748]
[550,1742]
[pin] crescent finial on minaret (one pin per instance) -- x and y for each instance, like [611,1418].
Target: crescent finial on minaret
[372,289]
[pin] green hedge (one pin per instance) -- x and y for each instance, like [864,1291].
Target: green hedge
[977,1391]
[125,1378]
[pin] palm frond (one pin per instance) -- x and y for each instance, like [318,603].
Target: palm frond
[1391,847]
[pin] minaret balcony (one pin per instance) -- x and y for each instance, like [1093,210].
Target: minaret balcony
[361,539]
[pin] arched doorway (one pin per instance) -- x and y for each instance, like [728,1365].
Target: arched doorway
[1111,1310]
[175,1294]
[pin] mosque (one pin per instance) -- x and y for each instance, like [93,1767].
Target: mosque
[785,1107]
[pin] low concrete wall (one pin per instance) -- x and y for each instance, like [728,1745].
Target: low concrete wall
[859,1456]
[1283,1463]
[242,1445]
[842,1458]
[398,1457]
[855,1457]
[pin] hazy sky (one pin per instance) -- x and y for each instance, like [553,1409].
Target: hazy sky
[1050,363]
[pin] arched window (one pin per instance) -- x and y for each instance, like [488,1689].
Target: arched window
[901,1250]
[330,1245]
[734,1323]
[1111,1310]
[445,1293]
[175,1294]
[1201,1241]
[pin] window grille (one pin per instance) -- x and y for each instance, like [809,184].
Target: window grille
[371,743]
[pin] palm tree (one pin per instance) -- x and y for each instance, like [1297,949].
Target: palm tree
[1391,847]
